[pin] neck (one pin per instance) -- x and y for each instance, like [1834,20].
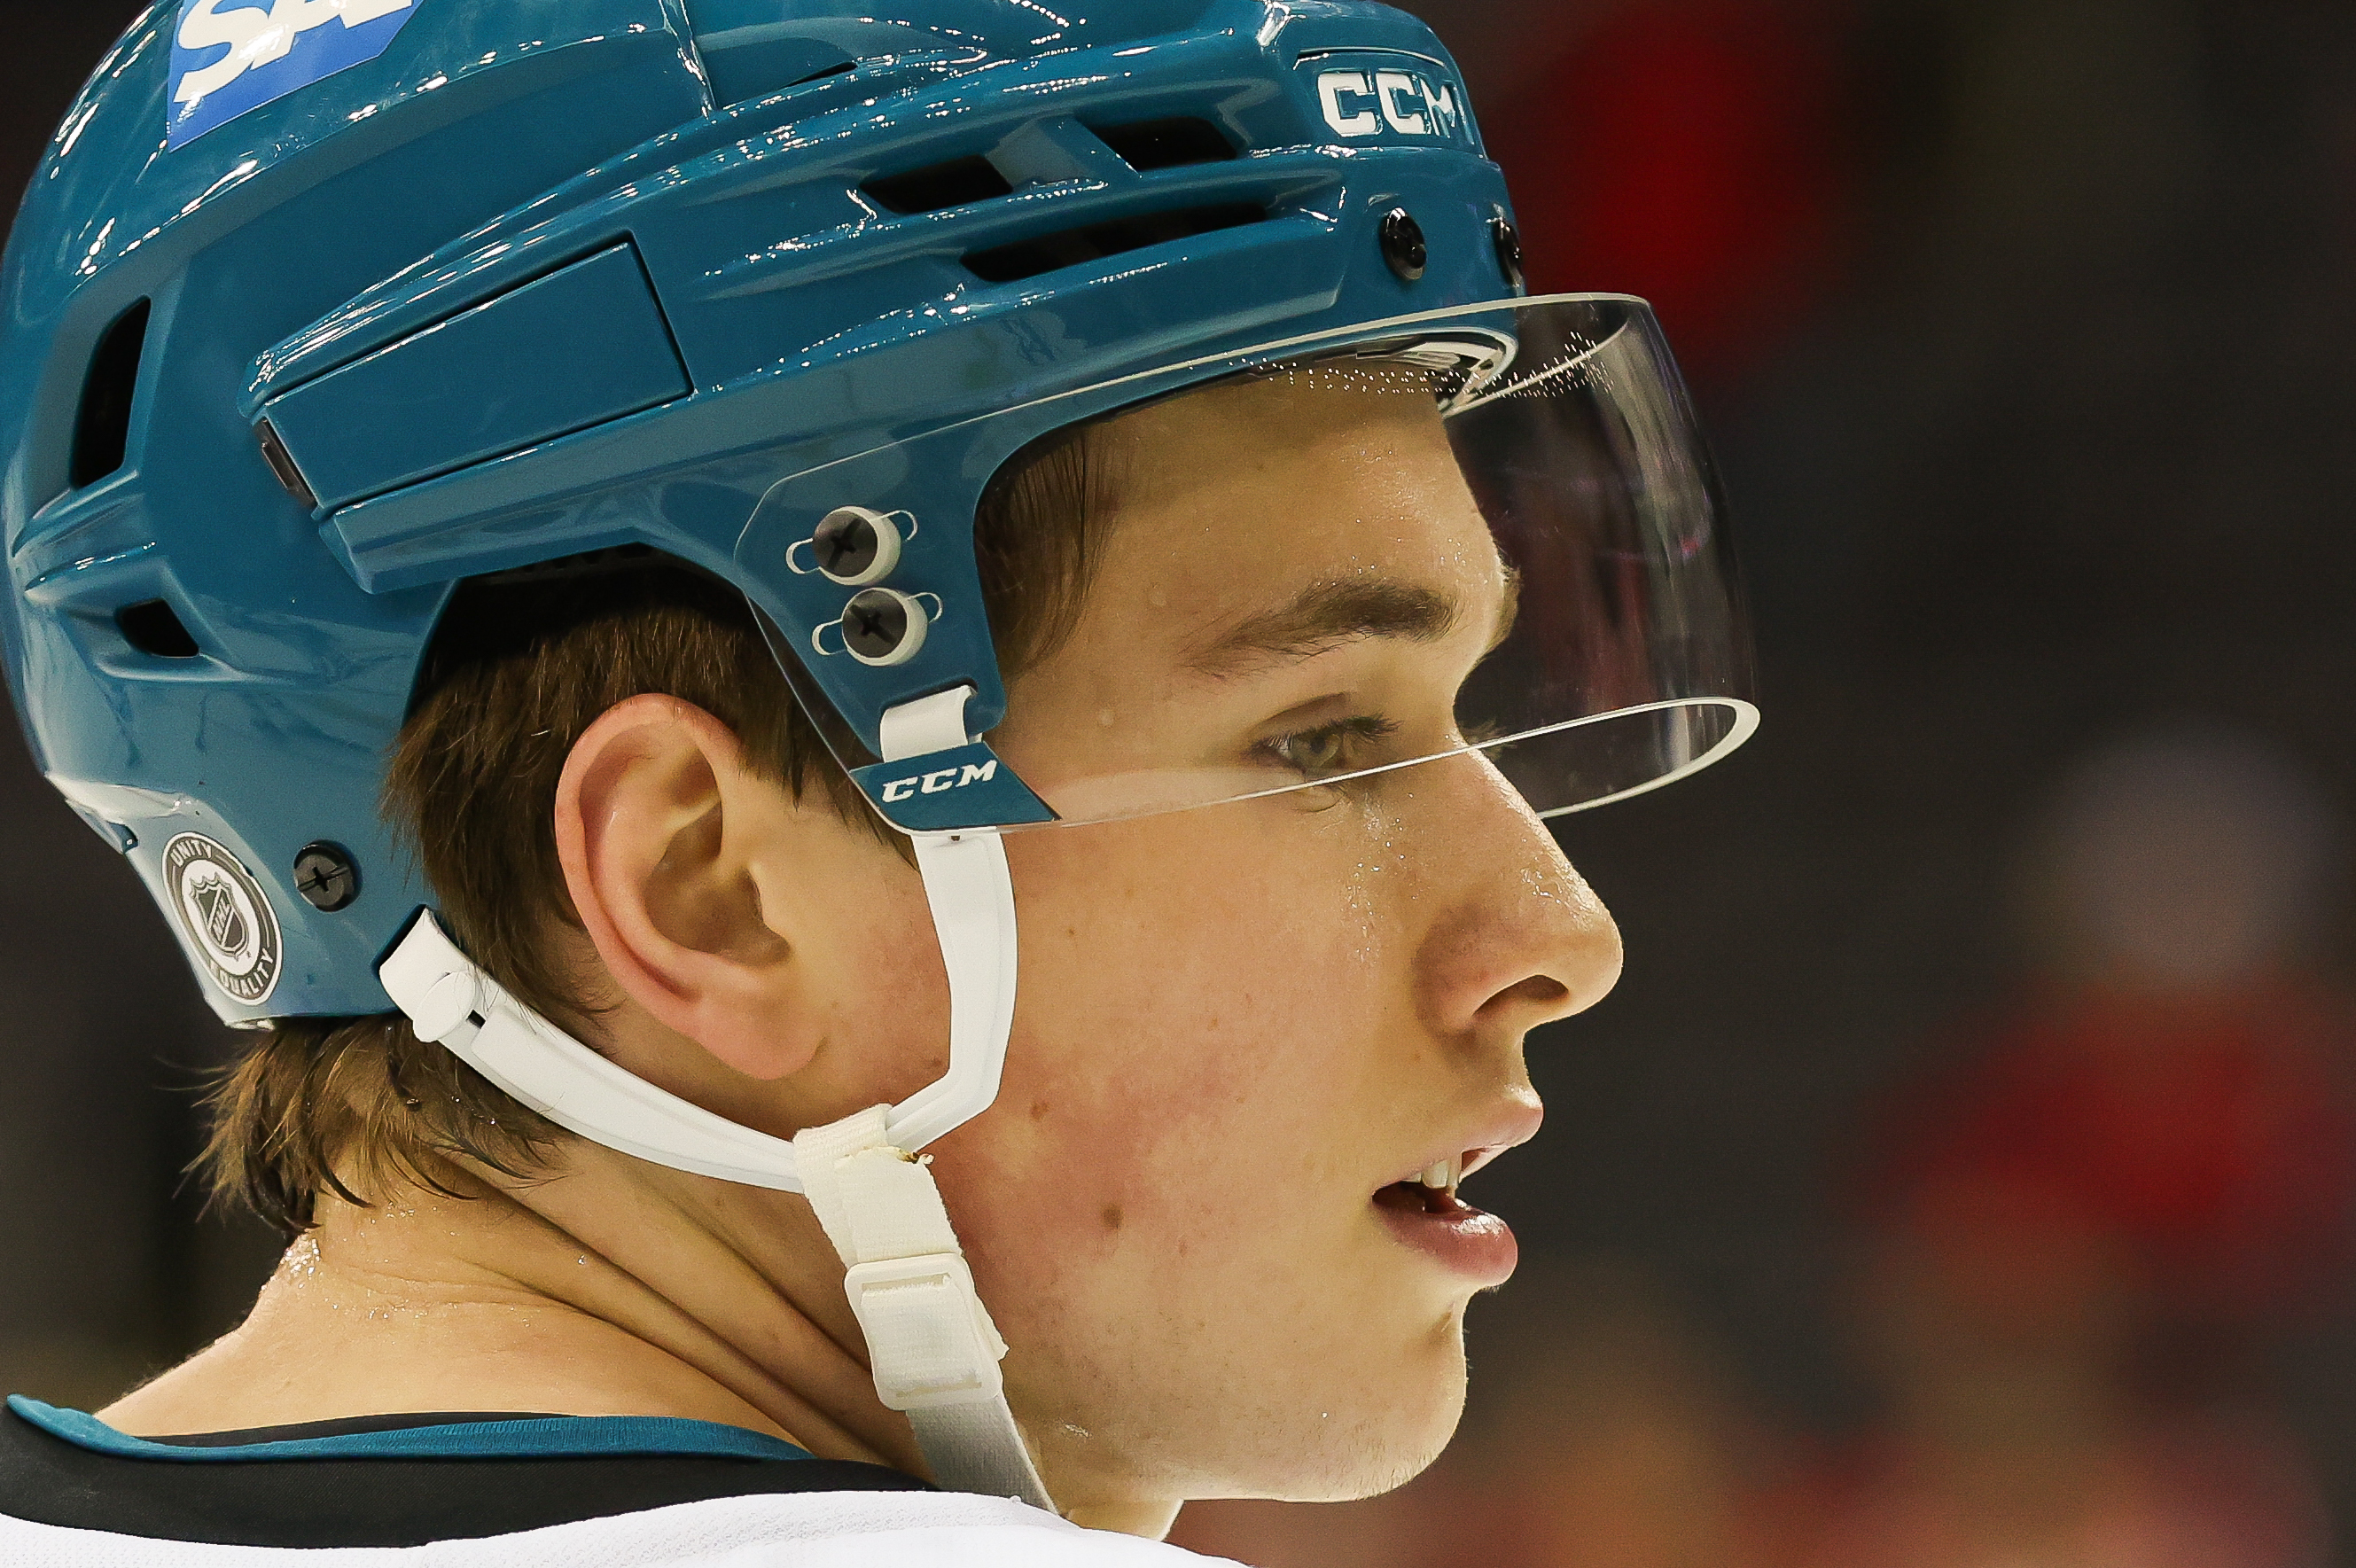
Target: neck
[611,1290]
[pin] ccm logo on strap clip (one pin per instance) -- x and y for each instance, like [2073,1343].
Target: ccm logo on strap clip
[940,779]
[965,786]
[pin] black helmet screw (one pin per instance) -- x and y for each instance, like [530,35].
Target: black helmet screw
[846,545]
[1403,245]
[855,546]
[326,877]
[882,626]
[1509,250]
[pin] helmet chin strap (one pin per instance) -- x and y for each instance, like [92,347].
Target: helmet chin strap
[933,1348]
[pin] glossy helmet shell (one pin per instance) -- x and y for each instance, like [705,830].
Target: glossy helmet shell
[539,277]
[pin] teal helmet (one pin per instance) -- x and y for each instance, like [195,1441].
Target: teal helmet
[314,311]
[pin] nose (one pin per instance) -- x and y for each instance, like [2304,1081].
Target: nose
[1517,938]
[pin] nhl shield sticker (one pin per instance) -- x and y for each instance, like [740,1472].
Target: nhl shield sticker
[229,55]
[228,917]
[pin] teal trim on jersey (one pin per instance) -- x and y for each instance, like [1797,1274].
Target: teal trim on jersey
[554,1437]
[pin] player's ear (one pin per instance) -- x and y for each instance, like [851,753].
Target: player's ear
[663,832]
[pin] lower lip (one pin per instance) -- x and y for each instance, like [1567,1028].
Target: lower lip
[1473,1243]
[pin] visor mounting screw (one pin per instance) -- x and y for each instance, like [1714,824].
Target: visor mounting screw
[1509,250]
[854,545]
[326,877]
[1403,245]
[883,626]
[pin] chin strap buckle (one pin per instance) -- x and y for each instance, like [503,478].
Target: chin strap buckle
[929,1339]
[931,1345]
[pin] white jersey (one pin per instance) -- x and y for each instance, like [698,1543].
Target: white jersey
[812,1529]
[498,1492]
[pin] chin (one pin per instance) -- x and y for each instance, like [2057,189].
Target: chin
[1366,1438]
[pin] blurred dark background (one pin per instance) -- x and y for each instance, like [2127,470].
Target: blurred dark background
[1958,1175]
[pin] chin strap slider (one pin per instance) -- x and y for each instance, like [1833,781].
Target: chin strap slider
[930,1341]
[933,1348]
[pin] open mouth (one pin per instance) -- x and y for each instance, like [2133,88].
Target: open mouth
[1431,1192]
[1424,1212]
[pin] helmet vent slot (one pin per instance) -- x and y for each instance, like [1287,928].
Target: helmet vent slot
[153,626]
[961,182]
[1076,247]
[103,429]
[1149,144]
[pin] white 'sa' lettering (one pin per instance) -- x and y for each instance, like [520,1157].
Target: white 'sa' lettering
[256,35]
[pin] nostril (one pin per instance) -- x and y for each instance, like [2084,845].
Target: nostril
[1534,1000]
[1544,990]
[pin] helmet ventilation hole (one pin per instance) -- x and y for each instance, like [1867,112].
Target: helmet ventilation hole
[1076,247]
[935,188]
[1150,144]
[103,429]
[153,626]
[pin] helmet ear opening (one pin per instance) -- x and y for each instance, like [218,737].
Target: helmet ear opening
[103,429]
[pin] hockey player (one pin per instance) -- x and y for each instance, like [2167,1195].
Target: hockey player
[861,705]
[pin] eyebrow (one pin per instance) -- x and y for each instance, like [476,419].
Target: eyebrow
[1324,615]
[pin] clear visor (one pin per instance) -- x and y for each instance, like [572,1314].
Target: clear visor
[1492,530]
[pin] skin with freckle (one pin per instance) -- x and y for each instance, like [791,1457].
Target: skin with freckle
[1236,1024]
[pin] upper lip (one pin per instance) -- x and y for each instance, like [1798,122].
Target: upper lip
[1508,1124]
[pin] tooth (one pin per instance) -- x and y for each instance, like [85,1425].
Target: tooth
[1443,1174]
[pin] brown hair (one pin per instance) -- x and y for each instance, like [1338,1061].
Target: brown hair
[519,666]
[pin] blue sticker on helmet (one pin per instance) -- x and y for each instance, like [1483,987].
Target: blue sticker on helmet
[229,55]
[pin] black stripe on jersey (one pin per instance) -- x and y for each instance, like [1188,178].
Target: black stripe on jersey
[344,1426]
[377,1502]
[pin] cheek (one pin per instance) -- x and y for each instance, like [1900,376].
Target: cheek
[1197,1023]
[1168,1210]
[877,1000]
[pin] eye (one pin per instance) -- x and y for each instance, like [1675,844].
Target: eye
[1330,750]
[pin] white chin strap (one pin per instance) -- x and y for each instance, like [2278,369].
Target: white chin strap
[930,1341]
